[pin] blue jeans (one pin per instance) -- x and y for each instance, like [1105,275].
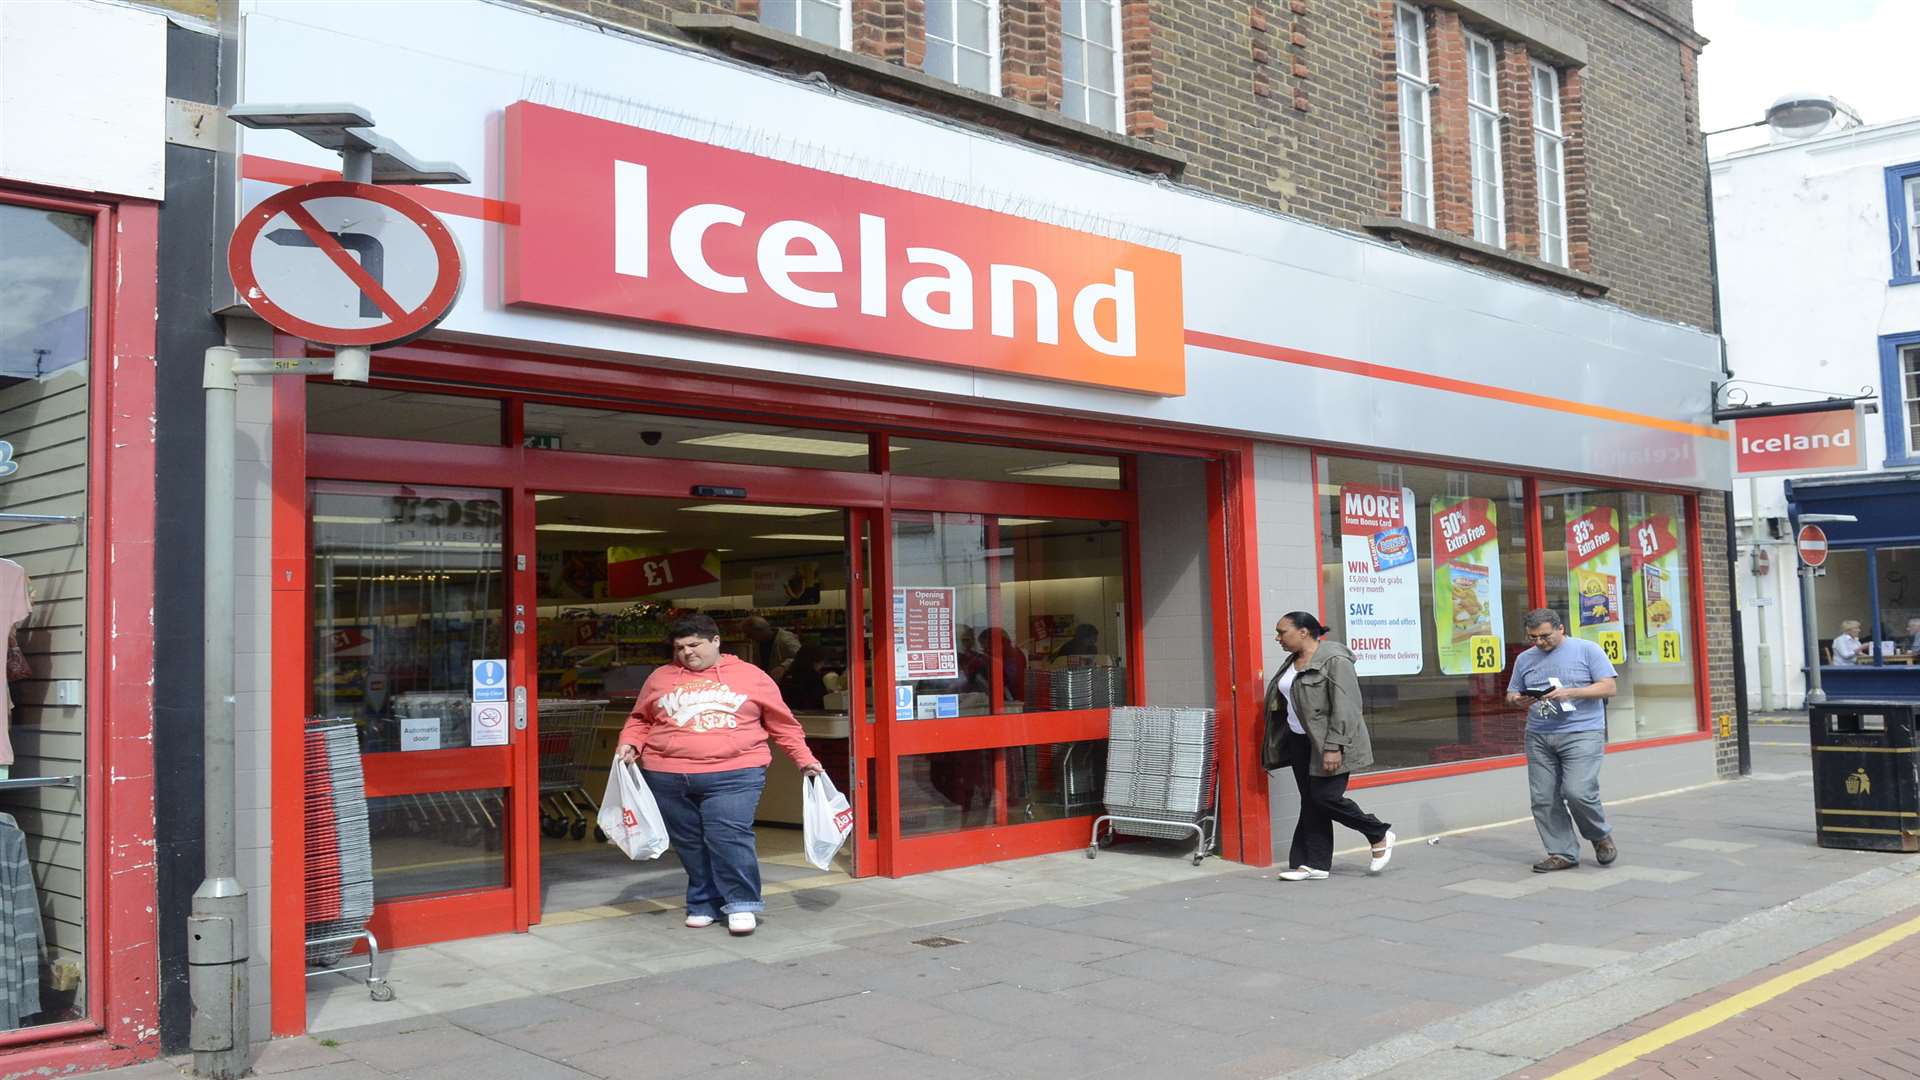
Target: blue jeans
[709,818]
[1563,778]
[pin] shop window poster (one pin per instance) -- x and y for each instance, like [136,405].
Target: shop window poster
[1467,620]
[1659,591]
[1380,569]
[1593,579]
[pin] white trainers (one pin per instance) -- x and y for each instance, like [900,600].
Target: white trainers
[741,923]
[696,922]
[1302,873]
[1379,862]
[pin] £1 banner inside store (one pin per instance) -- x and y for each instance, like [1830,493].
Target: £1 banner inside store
[1659,589]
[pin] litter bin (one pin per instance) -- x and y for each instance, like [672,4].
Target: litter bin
[1866,775]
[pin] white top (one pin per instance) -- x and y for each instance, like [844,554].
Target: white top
[1845,648]
[1286,694]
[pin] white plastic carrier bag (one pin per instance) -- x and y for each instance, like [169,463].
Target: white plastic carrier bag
[630,817]
[827,819]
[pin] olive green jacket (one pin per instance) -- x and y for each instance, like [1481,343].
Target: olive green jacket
[1326,698]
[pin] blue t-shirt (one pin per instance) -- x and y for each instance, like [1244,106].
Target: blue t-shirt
[1577,662]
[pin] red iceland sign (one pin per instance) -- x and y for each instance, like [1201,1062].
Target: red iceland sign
[1802,443]
[614,220]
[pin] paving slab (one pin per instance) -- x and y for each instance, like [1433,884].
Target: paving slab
[1457,962]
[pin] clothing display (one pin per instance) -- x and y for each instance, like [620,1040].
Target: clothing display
[15,606]
[22,939]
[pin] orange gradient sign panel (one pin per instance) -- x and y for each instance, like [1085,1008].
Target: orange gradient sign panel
[613,220]
[1810,442]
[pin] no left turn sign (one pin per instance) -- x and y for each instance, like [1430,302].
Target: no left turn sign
[343,263]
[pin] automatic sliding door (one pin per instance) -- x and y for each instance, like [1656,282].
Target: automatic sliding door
[408,594]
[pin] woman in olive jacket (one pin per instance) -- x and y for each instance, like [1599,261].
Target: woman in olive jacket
[1314,725]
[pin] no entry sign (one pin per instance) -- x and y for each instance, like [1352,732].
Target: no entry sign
[1812,543]
[341,263]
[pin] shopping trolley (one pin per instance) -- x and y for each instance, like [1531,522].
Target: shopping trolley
[566,744]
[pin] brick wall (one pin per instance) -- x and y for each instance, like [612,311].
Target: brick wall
[1287,104]
[1716,585]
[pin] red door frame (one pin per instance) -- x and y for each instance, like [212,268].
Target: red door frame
[121,1022]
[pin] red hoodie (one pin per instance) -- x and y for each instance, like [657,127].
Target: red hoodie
[711,721]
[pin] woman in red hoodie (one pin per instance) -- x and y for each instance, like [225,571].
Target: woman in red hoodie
[699,731]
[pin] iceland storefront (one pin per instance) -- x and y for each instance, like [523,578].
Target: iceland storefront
[1067,437]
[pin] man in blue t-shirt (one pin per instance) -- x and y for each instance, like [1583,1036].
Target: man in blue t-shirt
[1568,681]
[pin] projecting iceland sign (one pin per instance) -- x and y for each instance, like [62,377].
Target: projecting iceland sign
[1804,443]
[620,221]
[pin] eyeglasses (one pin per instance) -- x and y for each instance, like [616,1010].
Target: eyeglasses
[1548,636]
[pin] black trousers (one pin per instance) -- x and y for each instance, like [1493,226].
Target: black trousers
[1323,801]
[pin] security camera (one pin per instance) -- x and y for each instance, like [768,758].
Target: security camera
[651,438]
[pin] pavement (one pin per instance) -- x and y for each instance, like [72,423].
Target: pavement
[1457,963]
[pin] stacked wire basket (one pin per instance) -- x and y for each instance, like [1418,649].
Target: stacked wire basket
[1162,777]
[1063,688]
[339,853]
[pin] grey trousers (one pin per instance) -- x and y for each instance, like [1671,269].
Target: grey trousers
[1563,778]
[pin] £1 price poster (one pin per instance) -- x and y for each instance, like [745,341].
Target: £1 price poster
[1380,563]
[1659,590]
[1467,621]
[1593,579]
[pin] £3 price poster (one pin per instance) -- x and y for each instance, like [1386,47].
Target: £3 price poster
[1593,578]
[1467,621]
[1659,589]
[1380,560]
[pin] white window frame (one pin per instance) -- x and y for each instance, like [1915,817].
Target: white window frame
[1083,91]
[1907,370]
[1483,140]
[1415,89]
[1913,225]
[955,47]
[846,21]
[1550,145]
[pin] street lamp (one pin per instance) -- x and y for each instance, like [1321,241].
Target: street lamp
[1815,695]
[1789,116]
[218,929]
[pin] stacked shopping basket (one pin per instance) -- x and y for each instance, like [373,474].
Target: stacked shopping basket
[1161,777]
[1061,687]
[339,854]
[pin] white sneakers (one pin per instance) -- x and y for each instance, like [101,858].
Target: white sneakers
[739,924]
[1385,848]
[1302,873]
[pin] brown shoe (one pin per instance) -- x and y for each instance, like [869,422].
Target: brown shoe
[1604,851]
[1553,862]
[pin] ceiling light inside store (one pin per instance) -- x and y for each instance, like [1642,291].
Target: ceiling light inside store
[547,498]
[452,545]
[780,444]
[820,537]
[1007,523]
[1071,470]
[564,527]
[350,519]
[765,511]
